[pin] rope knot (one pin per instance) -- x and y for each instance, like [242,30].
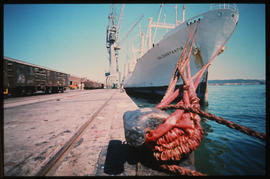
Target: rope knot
[185,87]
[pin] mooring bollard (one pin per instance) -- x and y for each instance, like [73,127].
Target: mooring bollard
[138,122]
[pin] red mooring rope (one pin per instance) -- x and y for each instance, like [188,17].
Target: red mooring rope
[220,120]
[163,145]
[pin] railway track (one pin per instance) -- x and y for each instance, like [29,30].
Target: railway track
[50,167]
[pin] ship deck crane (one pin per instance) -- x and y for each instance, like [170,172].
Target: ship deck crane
[113,46]
[113,28]
[157,24]
[130,30]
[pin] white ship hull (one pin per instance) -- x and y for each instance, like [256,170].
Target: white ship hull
[154,69]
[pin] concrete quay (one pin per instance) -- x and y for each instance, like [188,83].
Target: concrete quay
[84,126]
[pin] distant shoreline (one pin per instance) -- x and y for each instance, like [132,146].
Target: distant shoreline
[235,82]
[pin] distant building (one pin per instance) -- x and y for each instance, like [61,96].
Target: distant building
[75,82]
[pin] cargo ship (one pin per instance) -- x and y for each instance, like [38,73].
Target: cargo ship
[152,71]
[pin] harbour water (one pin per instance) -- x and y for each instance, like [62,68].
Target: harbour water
[226,151]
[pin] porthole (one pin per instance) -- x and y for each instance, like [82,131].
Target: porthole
[219,14]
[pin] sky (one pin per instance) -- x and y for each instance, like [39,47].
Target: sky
[71,37]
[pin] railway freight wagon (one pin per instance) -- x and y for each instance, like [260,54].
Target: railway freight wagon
[24,78]
[92,85]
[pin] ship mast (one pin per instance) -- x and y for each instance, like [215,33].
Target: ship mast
[146,39]
[184,12]
[157,24]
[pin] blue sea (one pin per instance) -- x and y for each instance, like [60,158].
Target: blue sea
[226,151]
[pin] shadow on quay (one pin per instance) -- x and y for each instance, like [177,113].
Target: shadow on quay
[119,158]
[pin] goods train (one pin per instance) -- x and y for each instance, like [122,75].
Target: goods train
[24,78]
[92,85]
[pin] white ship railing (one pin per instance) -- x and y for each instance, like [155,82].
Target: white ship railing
[224,6]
